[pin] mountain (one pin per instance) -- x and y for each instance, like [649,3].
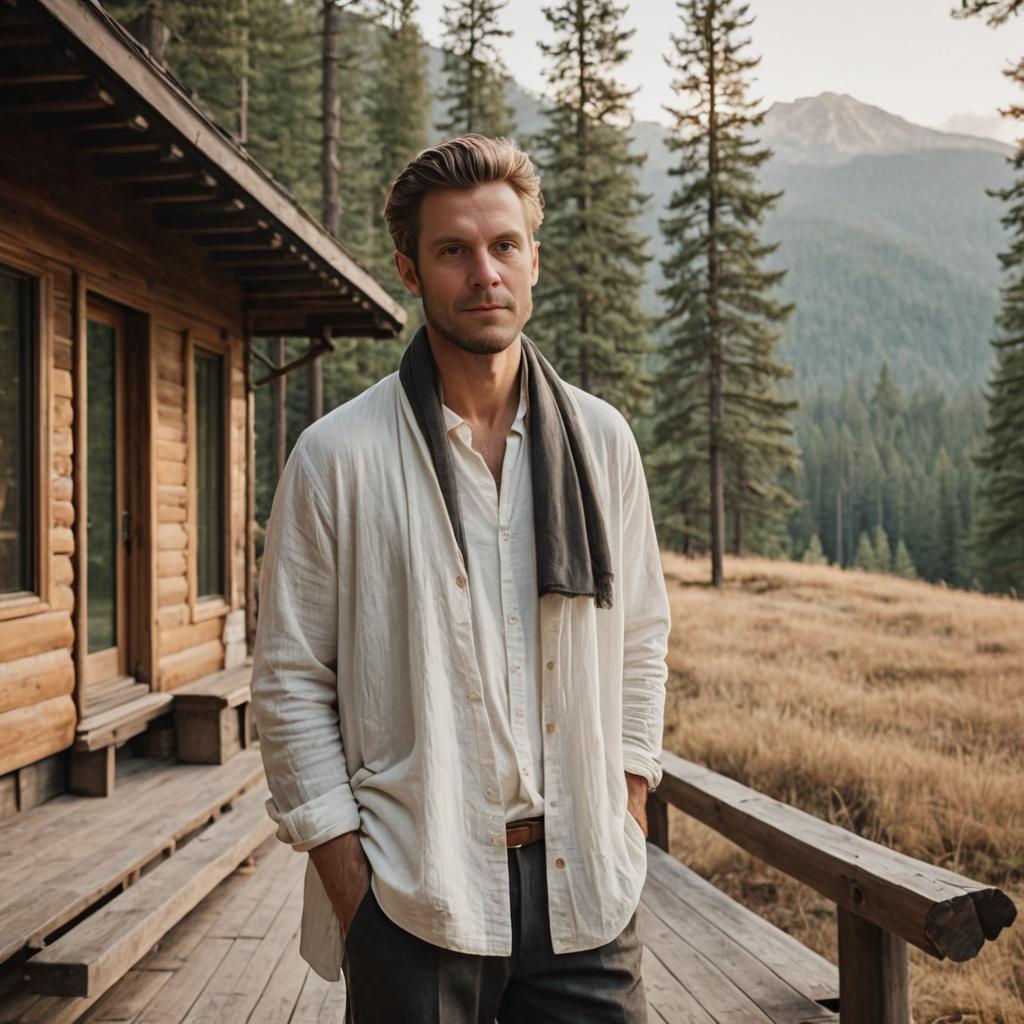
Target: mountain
[834,127]
[885,227]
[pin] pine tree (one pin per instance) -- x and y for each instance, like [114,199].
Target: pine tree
[474,91]
[904,565]
[587,313]
[883,551]
[720,371]
[865,558]
[814,554]
[998,538]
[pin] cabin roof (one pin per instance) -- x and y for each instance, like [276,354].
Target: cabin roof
[73,68]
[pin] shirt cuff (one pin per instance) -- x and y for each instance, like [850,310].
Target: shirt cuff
[315,822]
[639,763]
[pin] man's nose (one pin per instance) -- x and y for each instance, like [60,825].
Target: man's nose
[483,270]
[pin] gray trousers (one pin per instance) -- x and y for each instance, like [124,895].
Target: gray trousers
[394,977]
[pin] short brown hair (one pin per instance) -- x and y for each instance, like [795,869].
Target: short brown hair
[463,162]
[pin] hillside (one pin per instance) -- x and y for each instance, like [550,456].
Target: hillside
[872,205]
[894,708]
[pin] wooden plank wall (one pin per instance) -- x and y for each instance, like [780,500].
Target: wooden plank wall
[60,221]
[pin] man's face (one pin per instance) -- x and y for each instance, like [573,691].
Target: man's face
[475,251]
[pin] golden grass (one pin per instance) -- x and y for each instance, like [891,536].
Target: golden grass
[892,707]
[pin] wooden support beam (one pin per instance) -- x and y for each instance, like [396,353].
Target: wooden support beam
[244,258]
[874,976]
[91,772]
[42,77]
[241,241]
[99,121]
[55,97]
[657,822]
[27,39]
[200,188]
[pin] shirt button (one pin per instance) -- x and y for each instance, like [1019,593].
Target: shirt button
[504,534]
[460,581]
[513,619]
[551,664]
[475,697]
[559,863]
[551,726]
[515,666]
[526,771]
[499,840]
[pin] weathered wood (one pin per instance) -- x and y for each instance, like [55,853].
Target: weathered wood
[220,690]
[41,781]
[37,678]
[209,737]
[96,953]
[941,912]
[90,854]
[120,723]
[874,977]
[91,772]
[34,634]
[31,733]
[702,903]
[657,822]
[193,663]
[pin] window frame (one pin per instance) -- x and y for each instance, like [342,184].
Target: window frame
[38,598]
[211,605]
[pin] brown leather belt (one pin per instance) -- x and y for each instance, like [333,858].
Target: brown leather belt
[523,832]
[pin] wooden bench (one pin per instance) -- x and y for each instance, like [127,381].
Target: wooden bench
[91,769]
[716,961]
[213,716]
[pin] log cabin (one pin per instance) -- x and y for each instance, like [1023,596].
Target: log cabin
[141,251]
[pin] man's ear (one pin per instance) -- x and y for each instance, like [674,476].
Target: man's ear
[407,272]
[536,262]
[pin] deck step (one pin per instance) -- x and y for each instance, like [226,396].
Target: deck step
[91,957]
[92,847]
[120,723]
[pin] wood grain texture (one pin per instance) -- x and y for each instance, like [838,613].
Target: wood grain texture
[939,911]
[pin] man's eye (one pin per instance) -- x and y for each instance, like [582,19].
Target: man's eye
[450,248]
[510,244]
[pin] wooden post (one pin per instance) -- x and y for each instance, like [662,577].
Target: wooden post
[657,822]
[874,981]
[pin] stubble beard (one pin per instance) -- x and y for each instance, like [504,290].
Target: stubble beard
[492,343]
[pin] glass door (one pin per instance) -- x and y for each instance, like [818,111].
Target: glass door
[107,520]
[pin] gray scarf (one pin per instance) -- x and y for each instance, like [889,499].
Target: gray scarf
[572,547]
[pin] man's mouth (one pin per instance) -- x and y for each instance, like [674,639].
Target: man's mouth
[483,309]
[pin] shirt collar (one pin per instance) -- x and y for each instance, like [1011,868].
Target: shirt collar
[452,420]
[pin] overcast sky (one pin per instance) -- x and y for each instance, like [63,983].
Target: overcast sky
[907,56]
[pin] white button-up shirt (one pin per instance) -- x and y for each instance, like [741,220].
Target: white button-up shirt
[368,692]
[498,526]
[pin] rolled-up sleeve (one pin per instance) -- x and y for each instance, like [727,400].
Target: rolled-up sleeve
[646,625]
[294,677]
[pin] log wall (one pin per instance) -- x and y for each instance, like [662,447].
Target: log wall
[79,233]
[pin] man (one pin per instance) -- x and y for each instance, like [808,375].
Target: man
[459,670]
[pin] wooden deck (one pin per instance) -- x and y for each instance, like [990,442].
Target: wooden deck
[234,960]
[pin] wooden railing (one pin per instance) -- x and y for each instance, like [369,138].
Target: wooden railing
[884,899]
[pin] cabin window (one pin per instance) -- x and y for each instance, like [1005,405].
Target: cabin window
[210,472]
[17,432]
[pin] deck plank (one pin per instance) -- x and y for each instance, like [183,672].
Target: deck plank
[776,998]
[805,970]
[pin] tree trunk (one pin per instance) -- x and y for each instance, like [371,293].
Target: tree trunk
[716,386]
[278,395]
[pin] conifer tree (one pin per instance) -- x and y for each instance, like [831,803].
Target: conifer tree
[720,369]
[865,558]
[883,550]
[904,565]
[814,554]
[587,314]
[474,91]
[998,536]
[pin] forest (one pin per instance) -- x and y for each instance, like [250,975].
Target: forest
[848,458]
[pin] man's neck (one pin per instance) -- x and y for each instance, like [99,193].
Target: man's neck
[483,390]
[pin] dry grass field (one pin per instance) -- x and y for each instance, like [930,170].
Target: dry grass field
[891,707]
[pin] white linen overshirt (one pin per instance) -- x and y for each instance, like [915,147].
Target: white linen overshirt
[366,690]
